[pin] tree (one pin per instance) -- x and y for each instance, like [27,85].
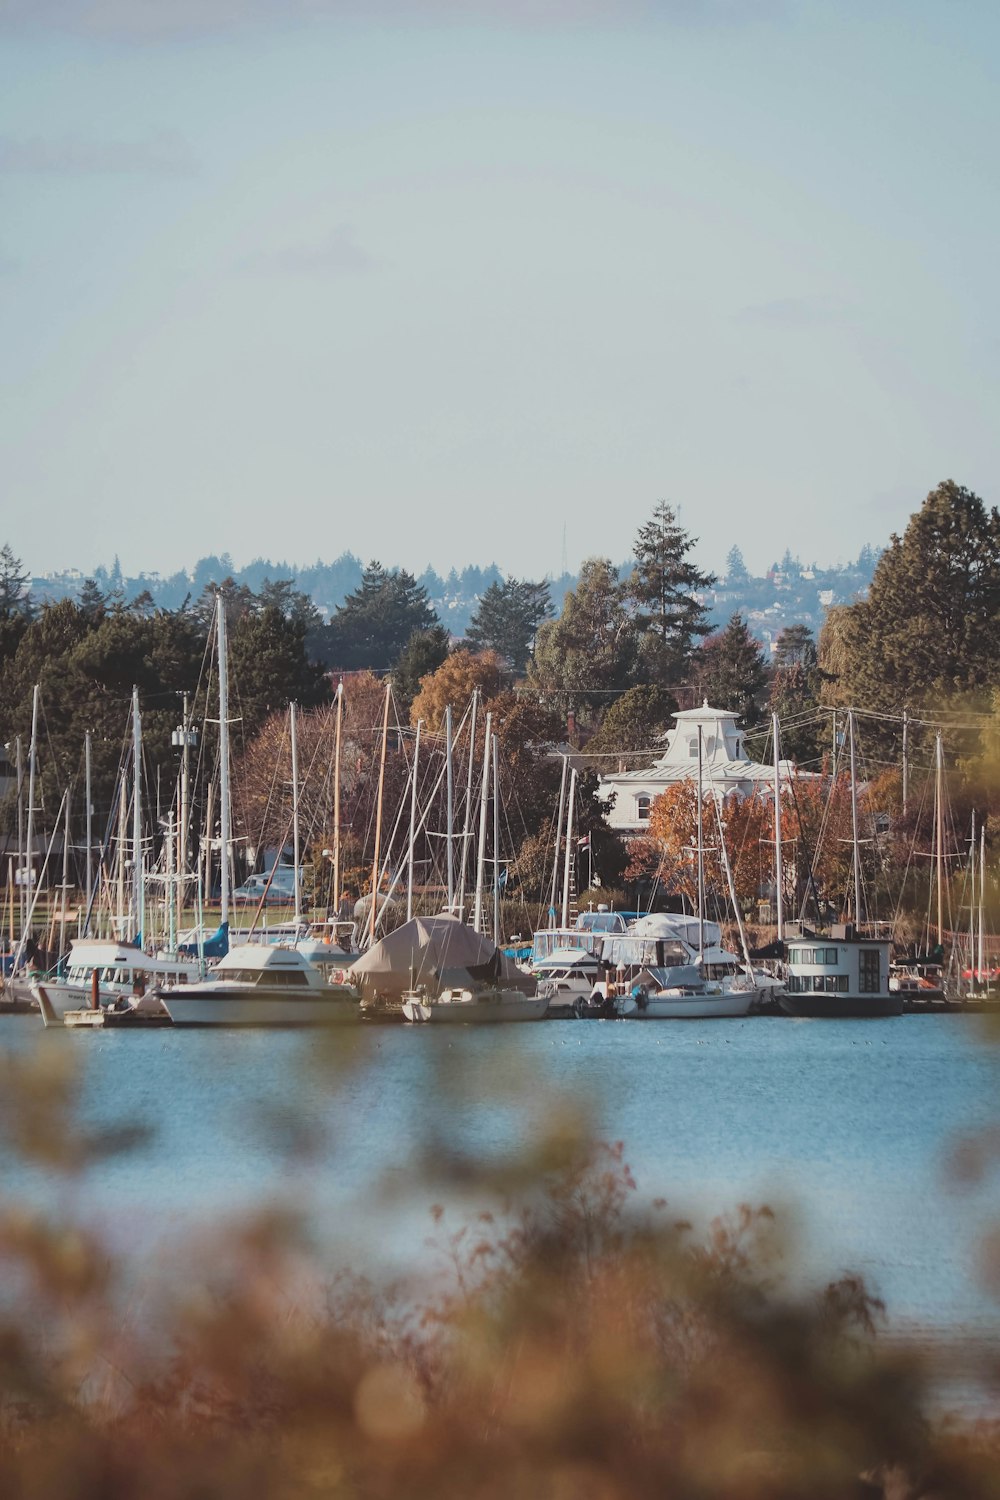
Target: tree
[453,683]
[661,590]
[795,647]
[930,627]
[588,653]
[92,600]
[375,622]
[736,568]
[425,651]
[13,584]
[282,594]
[633,722]
[507,619]
[731,673]
[673,828]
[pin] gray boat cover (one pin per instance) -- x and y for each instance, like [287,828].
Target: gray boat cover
[437,952]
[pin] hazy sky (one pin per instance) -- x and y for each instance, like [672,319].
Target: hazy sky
[444,282]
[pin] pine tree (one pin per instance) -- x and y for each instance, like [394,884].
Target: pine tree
[661,591]
[507,619]
[13,584]
[736,568]
[731,672]
[373,625]
[588,653]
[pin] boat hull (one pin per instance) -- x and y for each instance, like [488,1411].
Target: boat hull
[205,1008]
[488,1009]
[842,1007]
[688,1007]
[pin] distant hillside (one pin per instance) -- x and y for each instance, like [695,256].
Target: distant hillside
[789,593]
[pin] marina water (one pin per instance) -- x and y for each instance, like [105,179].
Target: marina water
[846,1127]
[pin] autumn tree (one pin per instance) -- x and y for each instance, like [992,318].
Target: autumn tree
[453,683]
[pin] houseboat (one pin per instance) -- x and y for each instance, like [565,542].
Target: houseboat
[843,974]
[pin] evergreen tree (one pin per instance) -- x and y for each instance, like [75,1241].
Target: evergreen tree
[635,721]
[730,671]
[666,616]
[92,600]
[930,627]
[736,568]
[373,625]
[507,619]
[424,652]
[795,647]
[282,594]
[587,654]
[13,584]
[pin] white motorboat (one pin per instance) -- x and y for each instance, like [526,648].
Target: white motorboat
[569,975]
[258,984]
[99,971]
[463,1005]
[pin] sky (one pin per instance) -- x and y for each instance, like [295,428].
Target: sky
[483,280]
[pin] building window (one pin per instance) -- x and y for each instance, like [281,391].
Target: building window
[642,804]
[693,749]
[869,977]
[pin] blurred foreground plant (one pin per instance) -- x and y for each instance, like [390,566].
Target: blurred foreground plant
[576,1345]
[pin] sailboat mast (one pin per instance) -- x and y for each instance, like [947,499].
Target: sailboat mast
[138,911]
[88,793]
[30,834]
[559,829]
[467,829]
[413,825]
[982,900]
[701,852]
[779,879]
[477,918]
[858,912]
[378,816]
[23,901]
[224,807]
[972,903]
[939,835]
[496,840]
[336,799]
[450,802]
[296,853]
[567,866]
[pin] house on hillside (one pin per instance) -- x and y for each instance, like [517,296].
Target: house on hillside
[725,767]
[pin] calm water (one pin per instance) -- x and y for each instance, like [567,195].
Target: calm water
[847,1124]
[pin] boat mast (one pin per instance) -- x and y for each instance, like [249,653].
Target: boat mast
[413,824]
[295,811]
[939,835]
[559,829]
[477,918]
[30,834]
[336,799]
[224,809]
[88,793]
[972,904]
[778,870]
[22,900]
[701,856]
[450,803]
[982,898]
[858,914]
[138,892]
[65,880]
[569,847]
[467,830]
[378,816]
[496,841]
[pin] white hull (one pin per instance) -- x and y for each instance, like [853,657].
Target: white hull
[467,1006]
[681,1007]
[232,1008]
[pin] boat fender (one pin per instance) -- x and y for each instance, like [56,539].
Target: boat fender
[641,996]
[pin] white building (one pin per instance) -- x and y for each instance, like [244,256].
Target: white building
[725,767]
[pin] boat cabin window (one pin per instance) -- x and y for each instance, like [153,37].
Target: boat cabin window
[869,971]
[813,955]
[817,984]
